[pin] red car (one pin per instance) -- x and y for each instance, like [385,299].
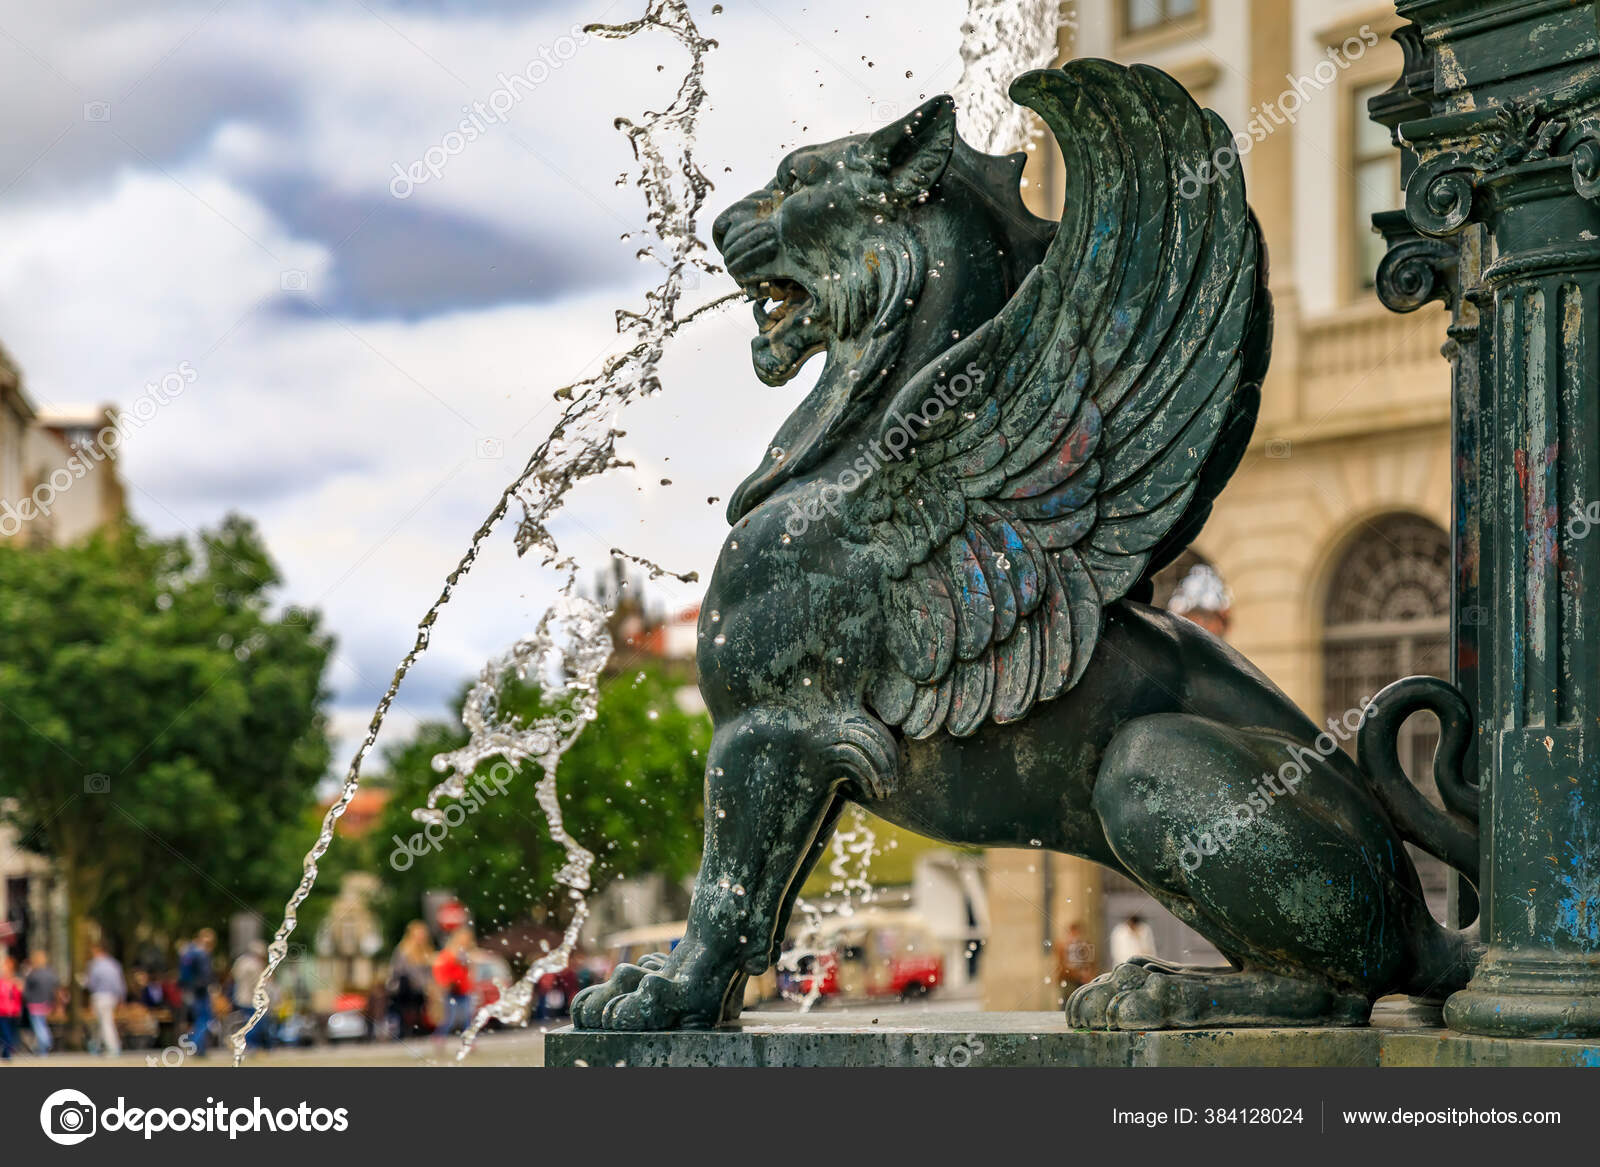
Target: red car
[914,975]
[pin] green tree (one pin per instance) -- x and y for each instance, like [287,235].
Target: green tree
[632,791]
[161,735]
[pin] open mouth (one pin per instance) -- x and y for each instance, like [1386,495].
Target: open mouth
[789,327]
[777,299]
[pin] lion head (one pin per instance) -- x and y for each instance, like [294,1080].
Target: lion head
[877,249]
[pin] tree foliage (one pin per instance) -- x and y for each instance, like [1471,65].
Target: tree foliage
[161,734]
[632,791]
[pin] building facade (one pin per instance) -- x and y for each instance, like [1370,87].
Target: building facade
[1332,538]
[52,492]
[58,479]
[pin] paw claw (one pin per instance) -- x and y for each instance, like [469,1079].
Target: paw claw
[1091,1005]
[654,994]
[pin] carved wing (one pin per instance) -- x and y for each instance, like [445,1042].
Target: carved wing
[1069,448]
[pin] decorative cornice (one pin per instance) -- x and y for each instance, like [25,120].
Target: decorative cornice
[1408,97]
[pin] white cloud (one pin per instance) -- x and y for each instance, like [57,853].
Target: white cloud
[353,442]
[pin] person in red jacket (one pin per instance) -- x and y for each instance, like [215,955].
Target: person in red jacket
[452,969]
[10,1006]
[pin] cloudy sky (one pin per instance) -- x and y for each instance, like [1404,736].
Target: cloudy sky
[211,182]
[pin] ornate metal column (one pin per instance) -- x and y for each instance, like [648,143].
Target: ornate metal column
[1506,165]
[1415,271]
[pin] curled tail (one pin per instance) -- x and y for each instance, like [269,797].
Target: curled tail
[1449,835]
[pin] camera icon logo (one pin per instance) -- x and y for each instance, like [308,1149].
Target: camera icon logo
[1279,448]
[97,784]
[490,449]
[97,111]
[68,1117]
[294,280]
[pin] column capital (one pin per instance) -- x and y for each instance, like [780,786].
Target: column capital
[1512,97]
[1415,269]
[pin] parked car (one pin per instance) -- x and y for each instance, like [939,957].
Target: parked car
[349,1020]
[878,953]
[629,945]
[297,1029]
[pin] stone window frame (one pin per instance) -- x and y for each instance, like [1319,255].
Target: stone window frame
[1169,30]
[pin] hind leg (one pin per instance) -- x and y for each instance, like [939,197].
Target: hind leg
[1281,860]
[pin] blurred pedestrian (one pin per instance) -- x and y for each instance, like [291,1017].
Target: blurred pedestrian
[1133,937]
[106,987]
[1075,959]
[39,991]
[10,1005]
[410,970]
[244,976]
[147,992]
[196,976]
[452,968]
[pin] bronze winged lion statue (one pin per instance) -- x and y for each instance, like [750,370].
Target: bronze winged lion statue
[933,599]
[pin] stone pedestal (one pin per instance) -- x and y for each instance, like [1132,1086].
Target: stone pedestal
[896,1038]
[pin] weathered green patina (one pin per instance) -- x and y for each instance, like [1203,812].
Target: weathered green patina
[1499,115]
[932,600]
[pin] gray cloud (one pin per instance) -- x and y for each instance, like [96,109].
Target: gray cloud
[394,259]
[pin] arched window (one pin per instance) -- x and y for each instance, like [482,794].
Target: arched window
[1388,616]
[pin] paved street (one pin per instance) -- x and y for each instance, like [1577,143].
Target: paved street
[521,1048]
[518,1048]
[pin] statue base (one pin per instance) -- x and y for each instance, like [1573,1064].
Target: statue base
[900,1038]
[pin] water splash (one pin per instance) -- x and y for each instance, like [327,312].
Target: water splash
[1000,40]
[571,646]
[852,850]
[581,446]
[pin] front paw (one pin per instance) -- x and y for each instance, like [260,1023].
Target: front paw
[589,1005]
[1090,1006]
[647,996]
